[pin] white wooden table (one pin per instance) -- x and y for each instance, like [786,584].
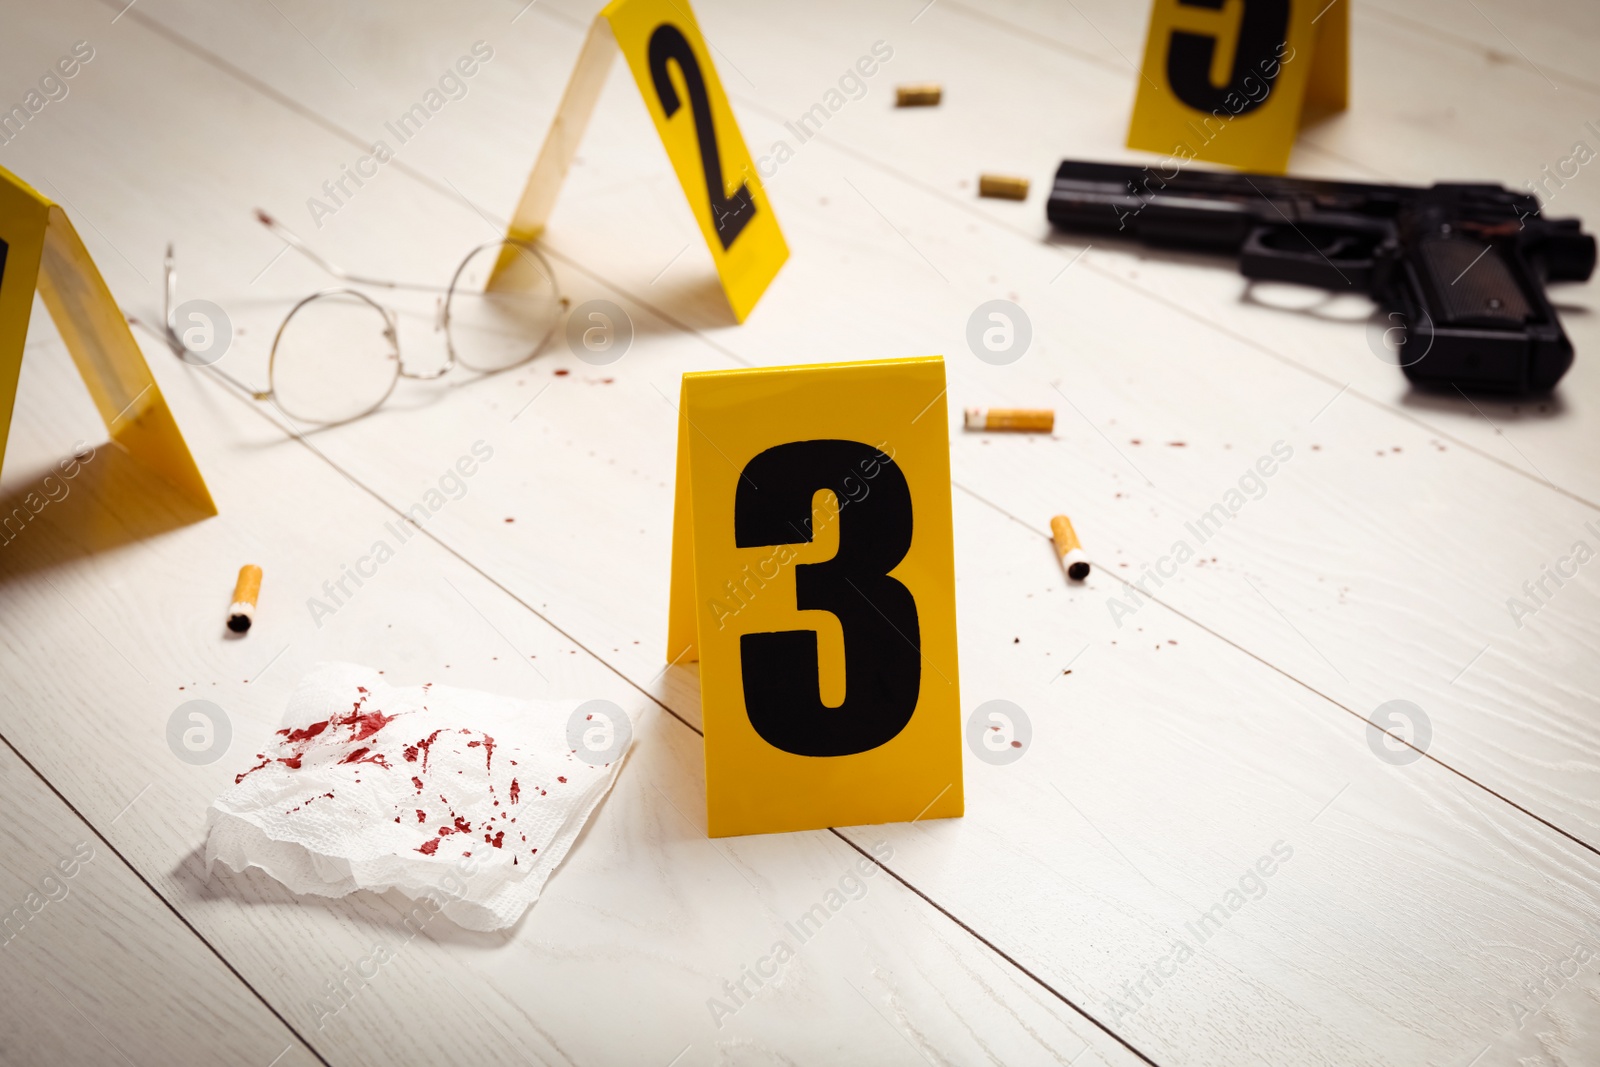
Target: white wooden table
[1440,911]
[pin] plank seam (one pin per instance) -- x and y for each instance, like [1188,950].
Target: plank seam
[307,1045]
[1307,686]
[444,189]
[975,211]
[981,939]
[1002,953]
[428,181]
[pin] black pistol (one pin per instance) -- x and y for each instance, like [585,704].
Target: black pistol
[1461,267]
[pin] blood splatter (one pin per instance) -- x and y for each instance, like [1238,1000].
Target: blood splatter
[241,777]
[364,726]
[428,848]
[295,737]
[488,750]
[424,746]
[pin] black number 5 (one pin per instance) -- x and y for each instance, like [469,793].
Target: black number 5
[1262,28]
[882,643]
[729,214]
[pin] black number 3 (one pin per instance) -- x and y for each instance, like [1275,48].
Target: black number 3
[729,214]
[882,643]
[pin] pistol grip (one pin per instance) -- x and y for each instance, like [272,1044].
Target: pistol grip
[1486,323]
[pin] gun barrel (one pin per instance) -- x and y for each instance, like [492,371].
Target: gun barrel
[1127,207]
[1203,209]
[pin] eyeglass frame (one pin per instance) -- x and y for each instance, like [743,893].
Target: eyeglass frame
[391,319]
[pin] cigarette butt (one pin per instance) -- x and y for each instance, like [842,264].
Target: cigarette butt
[1018,420]
[1002,186]
[1073,557]
[245,591]
[918,94]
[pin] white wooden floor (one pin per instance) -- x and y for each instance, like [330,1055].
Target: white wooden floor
[1441,911]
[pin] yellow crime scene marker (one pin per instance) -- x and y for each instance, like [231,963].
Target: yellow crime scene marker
[1234,83]
[813,577]
[661,41]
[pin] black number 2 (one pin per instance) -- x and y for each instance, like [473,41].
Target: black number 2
[882,642]
[729,214]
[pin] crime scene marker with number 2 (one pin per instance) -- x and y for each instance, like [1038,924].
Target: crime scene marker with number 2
[672,68]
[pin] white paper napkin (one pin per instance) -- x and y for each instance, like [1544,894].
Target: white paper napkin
[466,798]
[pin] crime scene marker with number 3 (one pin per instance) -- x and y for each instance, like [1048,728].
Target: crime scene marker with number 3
[813,577]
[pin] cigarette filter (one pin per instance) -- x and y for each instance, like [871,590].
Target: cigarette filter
[918,94]
[1019,420]
[1003,186]
[1073,557]
[245,591]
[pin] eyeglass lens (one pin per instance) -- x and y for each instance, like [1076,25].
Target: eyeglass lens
[492,329]
[335,359]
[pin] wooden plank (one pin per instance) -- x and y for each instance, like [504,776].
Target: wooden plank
[1500,695]
[644,885]
[1553,38]
[656,896]
[1281,759]
[96,968]
[1162,769]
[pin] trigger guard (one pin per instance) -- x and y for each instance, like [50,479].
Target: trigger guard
[1260,259]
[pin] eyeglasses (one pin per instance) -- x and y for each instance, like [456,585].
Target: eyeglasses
[336,355]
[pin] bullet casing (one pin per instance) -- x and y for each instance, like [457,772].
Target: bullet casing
[918,94]
[1002,187]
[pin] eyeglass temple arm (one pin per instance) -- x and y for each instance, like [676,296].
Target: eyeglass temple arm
[169,287]
[169,290]
[288,237]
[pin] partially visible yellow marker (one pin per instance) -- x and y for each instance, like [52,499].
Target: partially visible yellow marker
[1073,557]
[243,611]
